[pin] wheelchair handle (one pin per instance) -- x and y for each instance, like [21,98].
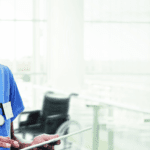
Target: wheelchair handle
[73,94]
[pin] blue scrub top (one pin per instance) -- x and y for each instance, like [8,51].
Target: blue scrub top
[9,92]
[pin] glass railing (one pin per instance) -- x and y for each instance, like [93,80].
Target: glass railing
[120,126]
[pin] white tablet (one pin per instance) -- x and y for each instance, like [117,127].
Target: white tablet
[56,139]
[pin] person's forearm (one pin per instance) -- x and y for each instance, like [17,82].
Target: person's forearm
[22,143]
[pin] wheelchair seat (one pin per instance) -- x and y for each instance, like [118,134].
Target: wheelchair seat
[54,112]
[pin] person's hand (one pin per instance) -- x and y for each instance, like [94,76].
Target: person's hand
[43,138]
[6,142]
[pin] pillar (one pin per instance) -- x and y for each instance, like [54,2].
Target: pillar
[65,44]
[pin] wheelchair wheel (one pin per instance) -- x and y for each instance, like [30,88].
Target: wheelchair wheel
[73,142]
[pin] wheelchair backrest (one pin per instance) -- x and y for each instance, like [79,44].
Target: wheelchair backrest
[54,104]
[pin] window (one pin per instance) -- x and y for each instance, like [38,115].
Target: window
[23,36]
[117,49]
[117,35]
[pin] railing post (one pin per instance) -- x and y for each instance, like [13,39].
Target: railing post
[110,131]
[95,126]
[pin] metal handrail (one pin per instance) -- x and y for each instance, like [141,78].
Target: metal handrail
[115,104]
[98,100]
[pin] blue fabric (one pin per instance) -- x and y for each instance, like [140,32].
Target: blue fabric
[9,92]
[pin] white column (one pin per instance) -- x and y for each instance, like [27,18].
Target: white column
[36,52]
[65,45]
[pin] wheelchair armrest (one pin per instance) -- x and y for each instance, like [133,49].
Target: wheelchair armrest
[34,125]
[58,116]
[28,113]
[19,130]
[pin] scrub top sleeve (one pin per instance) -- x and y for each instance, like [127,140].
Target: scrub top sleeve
[15,98]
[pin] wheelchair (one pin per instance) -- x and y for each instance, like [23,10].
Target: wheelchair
[52,119]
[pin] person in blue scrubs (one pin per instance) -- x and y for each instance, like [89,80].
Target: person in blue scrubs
[9,94]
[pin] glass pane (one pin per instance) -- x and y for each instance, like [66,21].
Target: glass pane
[24,48]
[117,41]
[25,89]
[24,39]
[7,40]
[43,45]
[123,48]
[43,9]
[117,10]
[87,10]
[24,9]
[7,9]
